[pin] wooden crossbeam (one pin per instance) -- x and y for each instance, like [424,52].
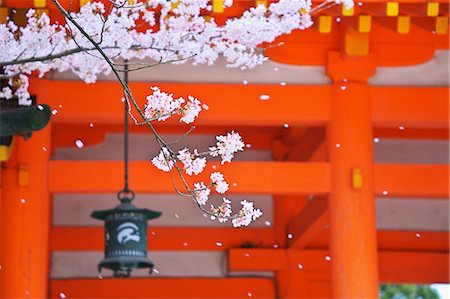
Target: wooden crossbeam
[166,238]
[395,106]
[230,104]
[308,144]
[411,180]
[240,105]
[394,266]
[249,177]
[169,288]
[67,238]
[398,240]
[308,223]
[399,180]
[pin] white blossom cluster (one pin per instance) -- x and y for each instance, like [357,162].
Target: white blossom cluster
[175,31]
[194,163]
[161,105]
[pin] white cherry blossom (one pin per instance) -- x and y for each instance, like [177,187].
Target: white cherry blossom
[163,160]
[227,146]
[201,193]
[219,182]
[192,163]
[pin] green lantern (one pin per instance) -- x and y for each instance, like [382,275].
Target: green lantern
[125,225]
[125,236]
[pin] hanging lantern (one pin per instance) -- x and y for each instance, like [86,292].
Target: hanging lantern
[125,236]
[125,225]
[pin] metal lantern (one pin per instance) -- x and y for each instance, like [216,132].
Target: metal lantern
[125,225]
[125,236]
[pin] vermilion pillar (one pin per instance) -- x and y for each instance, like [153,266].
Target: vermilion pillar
[25,219]
[353,243]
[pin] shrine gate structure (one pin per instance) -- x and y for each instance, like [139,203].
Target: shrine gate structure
[348,161]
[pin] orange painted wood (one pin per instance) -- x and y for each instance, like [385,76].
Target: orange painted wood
[308,223]
[250,177]
[395,266]
[229,104]
[353,243]
[417,267]
[25,220]
[424,107]
[239,105]
[166,238]
[412,180]
[401,180]
[258,259]
[399,240]
[169,288]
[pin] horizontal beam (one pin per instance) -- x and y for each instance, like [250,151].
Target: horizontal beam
[230,104]
[410,106]
[200,238]
[394,266]
[249,177]
[163,288]
[412,180]
[398,240]
[166,238]
[399,180]
[240,105]
[308,223]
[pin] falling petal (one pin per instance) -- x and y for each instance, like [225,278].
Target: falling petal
[328,258]
[300,266]
[79,143]
[264,97]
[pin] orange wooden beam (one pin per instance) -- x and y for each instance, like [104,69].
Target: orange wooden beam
[308,223]
[308,144]
[230,104]
[239,105]
[400,180]
[399,240]
[250,177]
[166,238]
[25,219]
[412,180]
[394,266]
[410,107]
[164,288]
